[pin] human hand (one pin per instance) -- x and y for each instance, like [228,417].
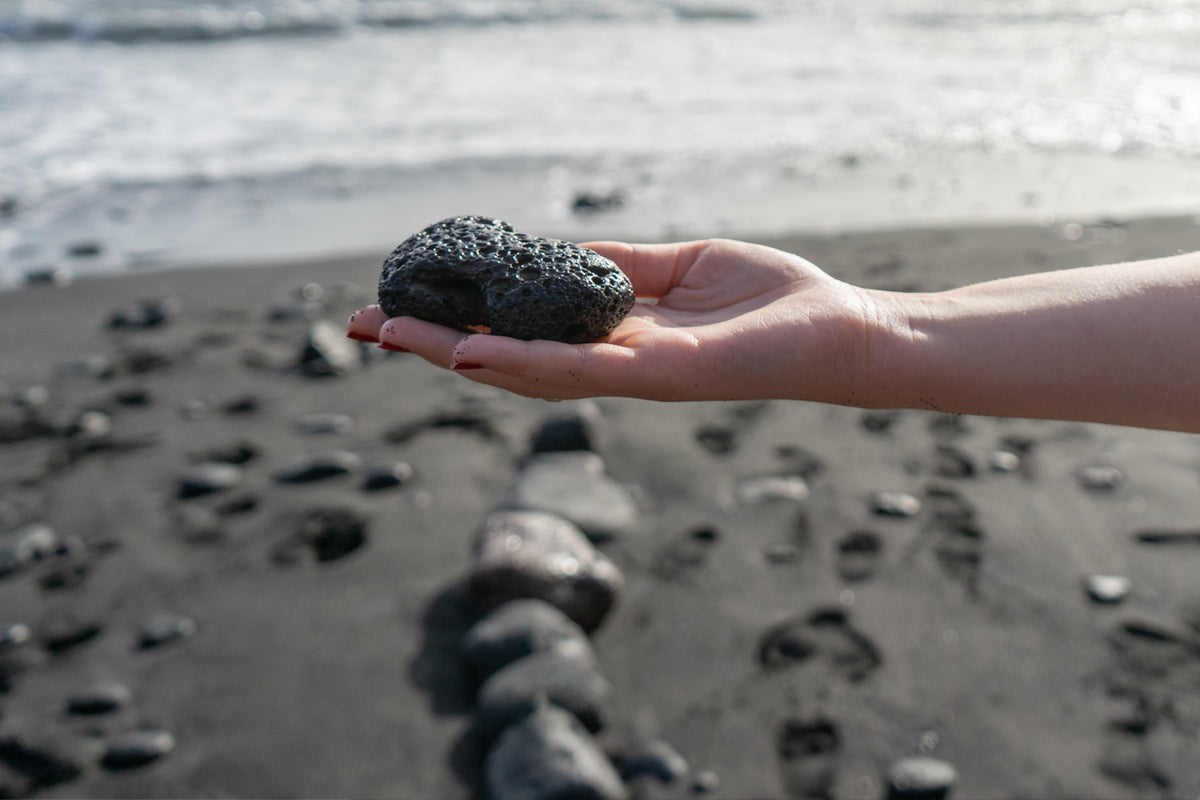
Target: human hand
[728,320]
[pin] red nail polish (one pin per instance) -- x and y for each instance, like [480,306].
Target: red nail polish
[361,337]
[395,348]
[458,366]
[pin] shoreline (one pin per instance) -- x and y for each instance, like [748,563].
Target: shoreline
[962,633]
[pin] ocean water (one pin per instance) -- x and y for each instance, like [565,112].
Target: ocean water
[146,133]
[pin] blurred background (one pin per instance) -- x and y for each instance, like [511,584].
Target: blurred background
[148,133]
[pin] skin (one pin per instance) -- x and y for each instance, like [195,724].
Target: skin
[729,320]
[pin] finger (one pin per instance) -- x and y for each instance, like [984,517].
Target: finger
[653,269]
[434,343]
[365,323]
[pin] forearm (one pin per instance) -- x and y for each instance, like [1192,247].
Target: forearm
[1117,344]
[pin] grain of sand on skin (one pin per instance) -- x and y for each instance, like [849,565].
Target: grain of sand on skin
[772,634]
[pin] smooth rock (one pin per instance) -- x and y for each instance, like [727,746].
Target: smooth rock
[566,676]
[576,430]
[921,777]
[164,629]
[531,554]
[476,273]
[1108,589]
[1099,477]
[325,422]
[896,504]
[66,631]
[49,276]
[327,533]
[517,629]
[387,476]
[208,478]
[1004,461]
[657,759]
[143,314]
[99,698]
[319,467]
[26,545]
[575,486]
[771,488]
[45,758]
[135,748]
[548,756]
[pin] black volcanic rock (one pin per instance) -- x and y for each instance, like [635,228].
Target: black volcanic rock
[480,274]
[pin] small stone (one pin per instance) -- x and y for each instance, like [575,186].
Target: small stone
[85,249]
[65,632]
[327,352]
[144,314]
[387,476]
[1004,461]
[771,488]
[328,533]
[165,629]
[195,409]
[479,273]
[531,554]
[706,782]
[46,759]
[574,486]
[49,276]
[319,467]
[548,755]
[325,422]
[569,680]
[99,698]
[921,777]
[896,504]
[135,748]
[242,404]
[567,432]
[208,478]
[1108,589]
[239,452]
[1099,477]
[198,524]
[26,545]
[781,553]
[517,629]
[656,759]
[13,635]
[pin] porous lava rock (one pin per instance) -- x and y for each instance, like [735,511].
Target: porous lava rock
[476,273]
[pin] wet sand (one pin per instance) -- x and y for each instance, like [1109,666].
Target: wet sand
[962,632]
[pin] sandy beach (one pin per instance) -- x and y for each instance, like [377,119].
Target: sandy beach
[292,618]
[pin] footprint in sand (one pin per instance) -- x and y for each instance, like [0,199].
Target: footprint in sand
[824,636]
[957,537]
[808,751]
[858,555]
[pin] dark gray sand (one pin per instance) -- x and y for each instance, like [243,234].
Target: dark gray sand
[245,634]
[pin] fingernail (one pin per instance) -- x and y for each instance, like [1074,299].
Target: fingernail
[395,348]
[461,365]
[360,337]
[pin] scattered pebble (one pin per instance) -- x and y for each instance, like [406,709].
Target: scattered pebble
[546,755]
[575,486]
[781,553]
[896,504]
[13,635]
[566,432]
[99,698]
[195,409]
[26,545]
[135,748]
[1004,461]
[66,631]
[164,629]
[325,422]
[567,678]
[46,759]
[144,314]
[388,476]
[531,554]
[921,777]
[239,452]
[319,467]
[208,478]
[769,488]
[49,276]
[242,404]
[1099,477]
[1108,589]
[657,759]
[517,629]
[327,533]
[327,352]
[706,782]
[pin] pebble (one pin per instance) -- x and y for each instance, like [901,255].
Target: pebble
[46,759]
[531,554]
[388,476]
[706,782]
[1004,461]
[896,504]
[319,467]
[656,758]
[242,404]
[577,430]
[574,485]
[99,698]
[208,478]
[548,755]
[771,488]
[567,678]
[328,533]
[66,631]
[239,452]
[781,553]
[327,352]
[325,422]
[135,748]
[144,314]
[165,629]
[1109,589]
[49,276]
[1099,477]
[13,635]
[26,545]
[921,777]
[517,629]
